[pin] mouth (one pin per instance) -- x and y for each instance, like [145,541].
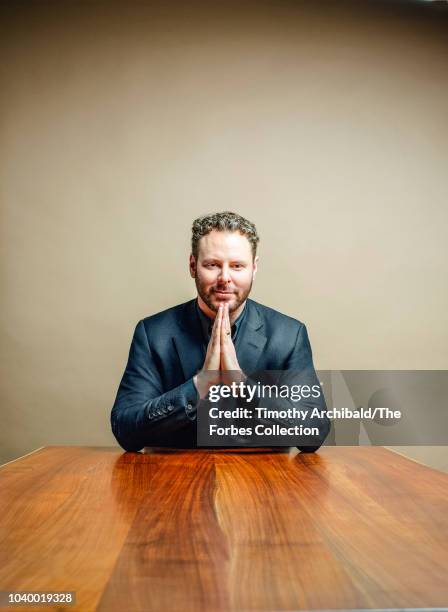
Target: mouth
[223,292]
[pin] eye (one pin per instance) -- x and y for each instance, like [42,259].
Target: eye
[210,265]
[237,266]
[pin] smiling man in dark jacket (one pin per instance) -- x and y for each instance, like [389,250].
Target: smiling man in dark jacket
[172,352]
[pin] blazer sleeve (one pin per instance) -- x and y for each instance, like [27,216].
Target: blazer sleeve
[142,414]
[302,360]
[298,369]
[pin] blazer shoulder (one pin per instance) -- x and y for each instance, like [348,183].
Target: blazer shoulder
[274,318]
[167,318]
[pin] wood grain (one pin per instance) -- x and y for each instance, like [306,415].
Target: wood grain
[345,528]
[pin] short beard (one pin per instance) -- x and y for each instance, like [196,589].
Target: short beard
[207,299]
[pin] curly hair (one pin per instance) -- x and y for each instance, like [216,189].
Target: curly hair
[223,222]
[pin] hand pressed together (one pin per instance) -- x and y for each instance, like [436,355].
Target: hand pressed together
[221,362]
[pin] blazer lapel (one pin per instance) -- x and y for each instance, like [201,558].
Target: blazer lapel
[189,342]
[252,343]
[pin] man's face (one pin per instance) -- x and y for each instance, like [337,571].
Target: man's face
[224,270]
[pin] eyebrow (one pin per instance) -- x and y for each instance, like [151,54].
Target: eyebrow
[215,259]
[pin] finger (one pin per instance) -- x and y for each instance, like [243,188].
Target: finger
[213,340]
[213,356]
[227,319]
[223,329]
[225,333]
[216,330]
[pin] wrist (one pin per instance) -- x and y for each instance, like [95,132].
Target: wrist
[202,381]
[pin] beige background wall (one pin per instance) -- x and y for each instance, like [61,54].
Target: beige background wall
[324,123]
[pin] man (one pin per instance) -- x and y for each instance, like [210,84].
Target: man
[175,354]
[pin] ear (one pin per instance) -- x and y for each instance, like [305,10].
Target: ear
[255,267]
[192,266]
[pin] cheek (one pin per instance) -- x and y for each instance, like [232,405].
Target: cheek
[243,280]
[207,277]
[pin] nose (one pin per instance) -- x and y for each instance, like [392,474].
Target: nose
[224,276]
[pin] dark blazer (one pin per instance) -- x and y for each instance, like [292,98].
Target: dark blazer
[156,400]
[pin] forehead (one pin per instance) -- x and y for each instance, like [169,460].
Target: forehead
[224,245]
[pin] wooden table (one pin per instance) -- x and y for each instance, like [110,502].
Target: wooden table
[346,528]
